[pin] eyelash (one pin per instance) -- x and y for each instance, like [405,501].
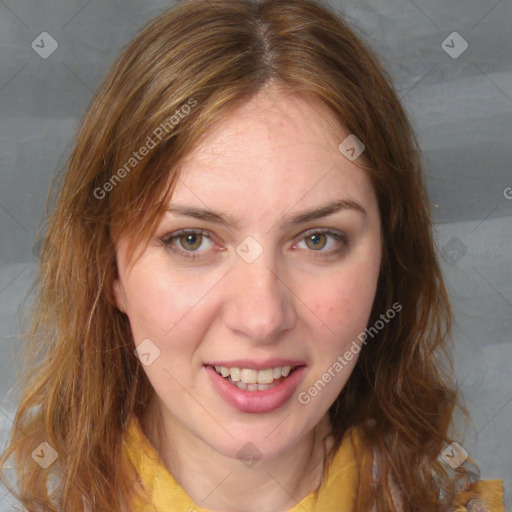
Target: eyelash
[168,240]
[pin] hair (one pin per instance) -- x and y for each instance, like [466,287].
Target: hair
[82,380]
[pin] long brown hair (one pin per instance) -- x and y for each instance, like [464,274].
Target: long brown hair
[186,71]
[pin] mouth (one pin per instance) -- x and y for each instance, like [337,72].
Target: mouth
[250,379]
[256,390]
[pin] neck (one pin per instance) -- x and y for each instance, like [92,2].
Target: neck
[219,483]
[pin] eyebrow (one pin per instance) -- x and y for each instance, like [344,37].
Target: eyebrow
[299,218]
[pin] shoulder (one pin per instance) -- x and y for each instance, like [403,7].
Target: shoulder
[472,493]
[481,496]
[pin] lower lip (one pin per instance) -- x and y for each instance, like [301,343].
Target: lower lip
[257,401]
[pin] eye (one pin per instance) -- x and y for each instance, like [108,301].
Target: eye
[316,240]
[189,240]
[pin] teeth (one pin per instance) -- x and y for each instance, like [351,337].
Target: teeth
[265,376]
[250,377]
[234,372]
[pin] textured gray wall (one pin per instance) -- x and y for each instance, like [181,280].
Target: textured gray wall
[459,98]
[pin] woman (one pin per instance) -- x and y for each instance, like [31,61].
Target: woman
[239,288]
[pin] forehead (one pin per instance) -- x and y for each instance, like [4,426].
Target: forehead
[274,120]
[275,151]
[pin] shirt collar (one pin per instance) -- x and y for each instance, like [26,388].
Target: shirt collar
[161,492]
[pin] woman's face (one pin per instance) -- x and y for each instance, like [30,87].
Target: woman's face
[279,270]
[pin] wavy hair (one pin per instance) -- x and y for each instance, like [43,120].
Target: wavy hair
[82,380]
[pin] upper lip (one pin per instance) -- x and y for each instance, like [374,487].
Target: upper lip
[257,365]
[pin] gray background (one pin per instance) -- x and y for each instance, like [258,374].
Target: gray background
[461,108]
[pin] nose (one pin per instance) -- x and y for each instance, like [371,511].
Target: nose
[259,305]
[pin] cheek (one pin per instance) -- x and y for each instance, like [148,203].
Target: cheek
[344,303]
[153,308]
[157,299]
[149,308]
[163,312]
[172,309]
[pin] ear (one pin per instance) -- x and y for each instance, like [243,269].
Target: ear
[119,295]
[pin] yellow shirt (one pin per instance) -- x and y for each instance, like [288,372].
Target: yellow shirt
[161,492]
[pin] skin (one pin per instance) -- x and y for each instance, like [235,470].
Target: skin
[275,156]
